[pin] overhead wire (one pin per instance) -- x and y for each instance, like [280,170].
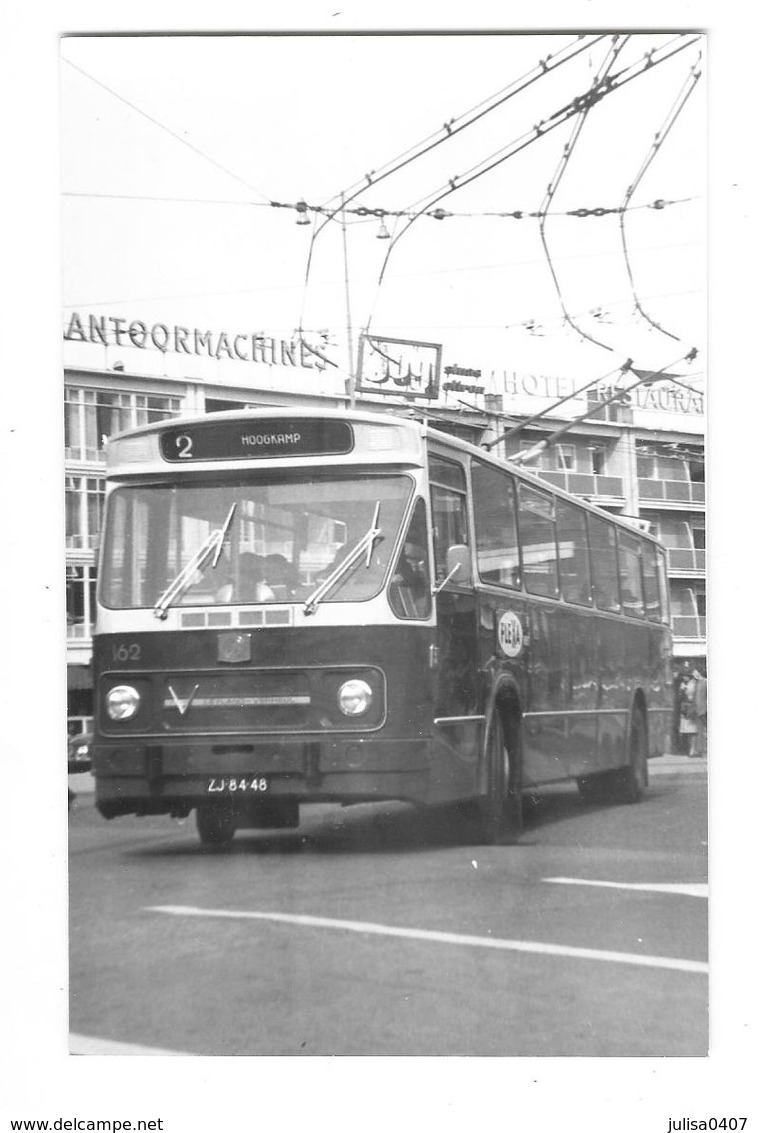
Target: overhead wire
[448,131]
[676,109]
[618,43]
[456,125]
[167,129]
[364,215]
[612,83]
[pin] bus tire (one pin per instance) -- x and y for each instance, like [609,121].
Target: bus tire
[216,824]
[501,811]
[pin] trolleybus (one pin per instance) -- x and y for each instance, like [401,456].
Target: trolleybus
[318,606]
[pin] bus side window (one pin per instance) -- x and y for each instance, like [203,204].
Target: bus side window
[538,551]
[573,554]
[450,524]
[409,592]
[495,521]
[630,566]
[605,579]
[650,582]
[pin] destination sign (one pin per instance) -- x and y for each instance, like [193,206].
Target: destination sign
[256,439]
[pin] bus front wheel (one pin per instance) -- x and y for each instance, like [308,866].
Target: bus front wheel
[216,824]
[500,812]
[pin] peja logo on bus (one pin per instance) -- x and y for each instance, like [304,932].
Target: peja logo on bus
[510,634]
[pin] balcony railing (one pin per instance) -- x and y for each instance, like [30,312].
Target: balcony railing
[672,491]
[584,483]
[685,558]
[688,625]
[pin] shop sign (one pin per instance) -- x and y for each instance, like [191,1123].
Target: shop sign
[398,366]
[106,330]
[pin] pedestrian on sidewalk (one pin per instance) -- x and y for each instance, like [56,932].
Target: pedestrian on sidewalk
[700,704]
[688,726]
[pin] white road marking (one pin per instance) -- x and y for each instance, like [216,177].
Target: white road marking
[688,889]
[83,1044]
[366,927]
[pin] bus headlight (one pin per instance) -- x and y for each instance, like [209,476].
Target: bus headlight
[122,702]
[355,698]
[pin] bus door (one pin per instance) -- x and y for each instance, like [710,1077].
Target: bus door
[455,689]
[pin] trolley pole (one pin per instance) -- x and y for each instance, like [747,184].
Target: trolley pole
[350,358]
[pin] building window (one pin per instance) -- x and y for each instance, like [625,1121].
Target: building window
[93,415]
[565,457]
[700,603]
[698,536]
[536,461]
[669,462]
[84,510]
[696,468]
[80,600]
[598,455]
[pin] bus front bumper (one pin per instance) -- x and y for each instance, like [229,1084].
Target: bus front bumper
[161,778]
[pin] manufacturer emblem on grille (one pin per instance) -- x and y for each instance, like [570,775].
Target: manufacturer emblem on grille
[182,705]
[234,647]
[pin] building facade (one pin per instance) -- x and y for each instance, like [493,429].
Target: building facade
[643,457]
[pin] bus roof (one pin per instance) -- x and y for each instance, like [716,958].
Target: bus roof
[411,426]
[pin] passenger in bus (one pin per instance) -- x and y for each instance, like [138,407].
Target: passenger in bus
[278,573]
[250,576]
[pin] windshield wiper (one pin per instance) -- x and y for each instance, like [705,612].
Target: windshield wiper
[212,547]
[365,543]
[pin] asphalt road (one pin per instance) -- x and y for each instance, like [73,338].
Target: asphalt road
[376,931]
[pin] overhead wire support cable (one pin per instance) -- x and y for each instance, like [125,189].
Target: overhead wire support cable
[448,131]
[619,395]
[612,83]
[514,430]
[167,129]
[676,109]
[593,96]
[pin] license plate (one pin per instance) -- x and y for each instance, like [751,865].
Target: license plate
[232,784]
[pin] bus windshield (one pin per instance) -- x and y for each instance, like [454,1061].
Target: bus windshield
[260,538]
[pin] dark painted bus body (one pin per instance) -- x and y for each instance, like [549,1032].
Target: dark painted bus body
[454,651]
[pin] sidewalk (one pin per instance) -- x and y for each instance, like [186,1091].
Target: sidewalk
[671,764]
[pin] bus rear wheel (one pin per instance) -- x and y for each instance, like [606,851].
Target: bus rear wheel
[500,812]
[216,824]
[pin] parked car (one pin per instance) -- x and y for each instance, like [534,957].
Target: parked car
[79,758]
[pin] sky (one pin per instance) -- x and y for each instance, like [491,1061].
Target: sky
[168,177]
